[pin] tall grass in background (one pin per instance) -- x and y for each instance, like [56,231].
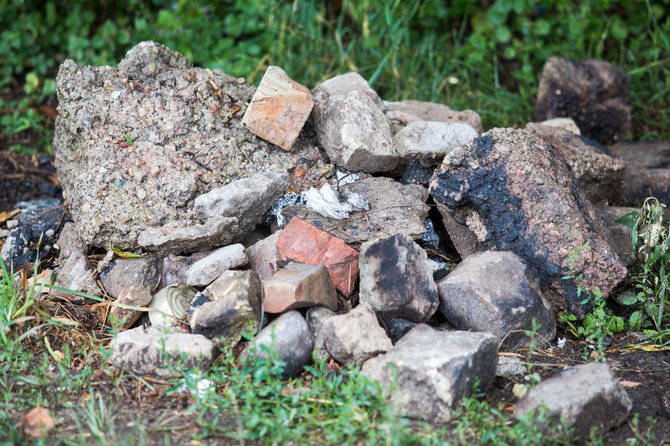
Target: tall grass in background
[486,55]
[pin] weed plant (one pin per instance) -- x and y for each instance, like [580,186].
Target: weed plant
[651,273]
[600,321]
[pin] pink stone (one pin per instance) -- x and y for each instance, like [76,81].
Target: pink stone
[279,109]
[298,286]
[303,243]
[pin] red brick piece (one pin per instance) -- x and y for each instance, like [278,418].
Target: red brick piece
[279,109]
[303,243]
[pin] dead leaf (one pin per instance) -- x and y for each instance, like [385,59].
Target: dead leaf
[37,422]
[332,366]
[650,348]
[6,215]
[46,276]
[629,384]
[519,390]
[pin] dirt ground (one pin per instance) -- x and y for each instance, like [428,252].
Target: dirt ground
[644,374]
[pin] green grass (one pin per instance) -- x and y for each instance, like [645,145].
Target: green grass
[486,56]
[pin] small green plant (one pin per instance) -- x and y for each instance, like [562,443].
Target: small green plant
[599,322]
[532,348]
[651,271]
[129,139]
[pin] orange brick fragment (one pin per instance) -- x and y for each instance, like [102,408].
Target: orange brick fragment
[303,243]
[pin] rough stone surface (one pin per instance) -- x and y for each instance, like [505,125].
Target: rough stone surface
[77,275]
[497,293]
[647,171]
[136,296]
[247,199]
[394,209]
[289,337]
[396,280]
[33,235]
[592,92]
[124,273]
[510,191]
[316,316]
[430,141]
[174,268]
[397,328]
[185,138]
[298,286]
[279,108]
[598,171]
[235,306]
[563,123]
[263,255]
[354,337]
[416,173]
[303,243]
[350,124]
[140,351]
[586,395]
[69,241]
[205,271]
[173,238]
[509,366]
[403,113]
[435,369]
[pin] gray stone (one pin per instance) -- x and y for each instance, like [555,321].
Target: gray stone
[592,92]
[247,199]
[289,338]
[136,296]
[350,124]
[563,123]
[141,351]
[69,241]
[497,293]
[434,369]
[598,171]
[174,267]
[394,209]
[175,238]
[263,256]
[185,138]
[299,285]
[400,114]
[235,307]
[205,271]
[510,191]
[509,366]
[647,171]
[316,316]
[586,395]
[354,337]
[430,141]
[396,279]
[279,109]
[77,275]
[397,328]
[124,273]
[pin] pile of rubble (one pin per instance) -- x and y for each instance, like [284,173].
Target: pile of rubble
[176,172]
